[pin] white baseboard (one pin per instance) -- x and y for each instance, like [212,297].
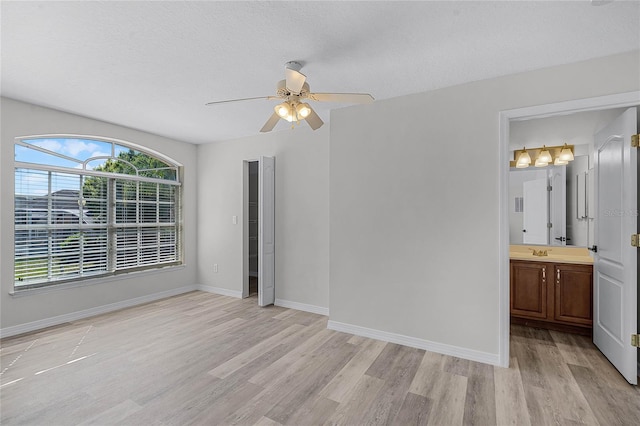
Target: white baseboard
[302,307]
[414,342]
[219,290]
[74,316]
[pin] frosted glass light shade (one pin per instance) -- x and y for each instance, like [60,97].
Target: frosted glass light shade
[566,154]
[560,162]
[545,156]
[540,163]
[283,110]
[303,110]
[523,161]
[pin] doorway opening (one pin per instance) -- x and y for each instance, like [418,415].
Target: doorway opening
[258,229]
[252,228]
[507,205]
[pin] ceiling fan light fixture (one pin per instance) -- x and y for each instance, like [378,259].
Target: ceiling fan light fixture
[303,110]
[283,110]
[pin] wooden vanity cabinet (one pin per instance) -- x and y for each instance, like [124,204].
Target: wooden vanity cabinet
[529,289]
[573,300]
[552,295]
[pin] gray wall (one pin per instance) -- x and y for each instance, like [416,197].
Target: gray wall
[302,212]
[414,201]
[22,119]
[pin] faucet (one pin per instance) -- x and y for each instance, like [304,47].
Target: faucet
[539,252]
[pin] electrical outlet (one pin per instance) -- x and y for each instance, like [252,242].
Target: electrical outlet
[215,267]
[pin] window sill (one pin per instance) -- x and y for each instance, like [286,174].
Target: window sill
[93,281]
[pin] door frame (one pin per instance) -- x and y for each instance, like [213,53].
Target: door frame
[619,100]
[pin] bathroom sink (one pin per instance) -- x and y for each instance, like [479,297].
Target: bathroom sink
[557,254]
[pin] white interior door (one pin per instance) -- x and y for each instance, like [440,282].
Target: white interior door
[535,212]
[558,208]
[266,232]
[615,282]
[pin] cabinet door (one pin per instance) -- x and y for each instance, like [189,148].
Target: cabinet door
[529,289]
[573,293]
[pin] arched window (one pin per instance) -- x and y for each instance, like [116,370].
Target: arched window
[88,207]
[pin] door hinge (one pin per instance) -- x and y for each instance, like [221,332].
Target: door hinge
[635,240]
[549,188]
[635,141]
[549,225]
[635,340]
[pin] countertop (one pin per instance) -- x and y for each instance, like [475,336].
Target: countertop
[560,254]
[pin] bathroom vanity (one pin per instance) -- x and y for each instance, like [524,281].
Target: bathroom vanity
[552,290]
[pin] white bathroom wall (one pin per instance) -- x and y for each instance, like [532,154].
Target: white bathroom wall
[301,206]
[414,205]
[40,308]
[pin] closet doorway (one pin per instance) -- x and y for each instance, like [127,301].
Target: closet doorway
[258,230]
[251,238]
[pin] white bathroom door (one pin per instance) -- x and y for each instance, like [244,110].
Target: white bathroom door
[558,207]
[615,276]
[266,232]
[535,212]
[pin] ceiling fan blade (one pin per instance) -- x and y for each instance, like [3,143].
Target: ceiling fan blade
[353,98]
[314,120]
[295,80]
[269,98]
[271,123]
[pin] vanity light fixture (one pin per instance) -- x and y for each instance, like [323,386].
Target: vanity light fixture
[541,157]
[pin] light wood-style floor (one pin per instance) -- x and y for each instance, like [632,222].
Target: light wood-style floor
[206,359]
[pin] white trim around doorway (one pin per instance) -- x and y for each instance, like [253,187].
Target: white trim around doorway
[620,100]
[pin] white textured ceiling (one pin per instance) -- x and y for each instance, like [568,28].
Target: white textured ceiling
[153,65]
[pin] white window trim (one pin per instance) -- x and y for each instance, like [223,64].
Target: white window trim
[114,275]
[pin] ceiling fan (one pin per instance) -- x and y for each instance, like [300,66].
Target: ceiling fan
[293,91]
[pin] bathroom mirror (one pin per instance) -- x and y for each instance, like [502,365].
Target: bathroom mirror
[550,205]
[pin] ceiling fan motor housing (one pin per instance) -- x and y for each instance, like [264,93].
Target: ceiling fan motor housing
[283,92]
